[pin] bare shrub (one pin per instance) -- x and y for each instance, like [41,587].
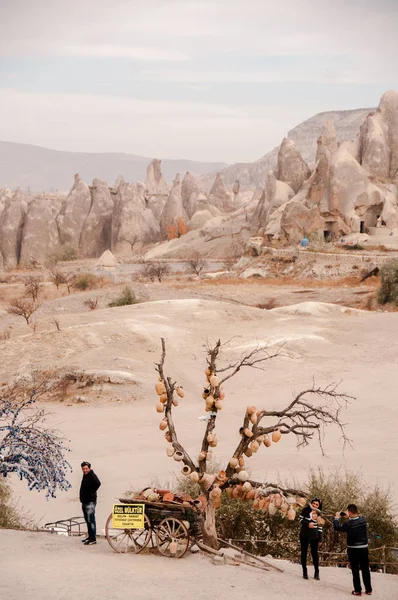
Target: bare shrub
[196,263]
[21,307]
[154,270]
[4,336]
[91,303]
[86,281]
[268,305]
[33,288]
[58,278]
[388,291]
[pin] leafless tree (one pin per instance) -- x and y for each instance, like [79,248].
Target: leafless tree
[196,263]
[305,417]
[154,270]
[58,278]
[32,286]
[56,323]
[22,308]
[233,253]
[69,281]
[91,303]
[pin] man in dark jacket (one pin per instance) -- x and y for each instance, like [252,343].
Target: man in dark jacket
[88,497]
[357,547]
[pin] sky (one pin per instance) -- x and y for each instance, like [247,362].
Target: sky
[220,80]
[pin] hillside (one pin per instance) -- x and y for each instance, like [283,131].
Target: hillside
[42,169]
[305,135]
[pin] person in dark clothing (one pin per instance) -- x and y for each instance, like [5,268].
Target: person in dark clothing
[357,547]
[310,535]
[88,497]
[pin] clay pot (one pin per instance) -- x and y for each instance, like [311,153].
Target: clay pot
[267,441]
[320,521]
[207,480]
[260,439]
[173,547]
[266,503]
[251,494]
[209,455]
[248,452]
[276,435]
[159,407]
[229,491]
[291,514]
[168,437]
[218,404]
[175,402]
[153,497]
[236,492]
[246,487]
[256,503]
[163,425]
[241,462]
[233,462]
[186,470]
[170,451]
[204,395]
[210,437]
[178,456]
[277,500]
[209,401]
[169,497]
[221,477]
[250,410]
[214,442]
[160,388]
[208,372]
[187,524]
[301,501]
[284,508]
[180,392]
[243,476]
[222,395]
[261,503]
[272,509]
[194,476]
[248,432]
[215,493]
[163,398]
[202,456]
[255,446]
[145,493]
[253,419]
[214,381]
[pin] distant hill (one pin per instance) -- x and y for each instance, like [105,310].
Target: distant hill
[305,135]
[41,169]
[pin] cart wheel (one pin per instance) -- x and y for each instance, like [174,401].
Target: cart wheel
[172,538]
[128,540]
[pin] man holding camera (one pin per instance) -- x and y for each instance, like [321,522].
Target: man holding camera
[357,547]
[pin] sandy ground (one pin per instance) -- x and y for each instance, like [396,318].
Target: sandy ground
[61,568]
[121,438]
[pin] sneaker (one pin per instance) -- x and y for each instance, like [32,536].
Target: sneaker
[85,540]
[305,576]
[356,593]
[90,542]
[316,576]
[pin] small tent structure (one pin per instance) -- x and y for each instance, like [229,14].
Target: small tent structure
[107,260]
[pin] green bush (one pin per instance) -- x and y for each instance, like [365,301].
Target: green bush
[388,291]
[86,281]
[352,247]
[126,298]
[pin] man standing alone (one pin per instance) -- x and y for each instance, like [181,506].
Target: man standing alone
[88,497]
[357,547]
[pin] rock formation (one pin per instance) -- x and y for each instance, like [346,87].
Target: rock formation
[155,182]
[132,221]
[11,228]
[73,214]
[189,192]
[219,195]
[96,231]
[173,211]
[40,236]
[291,168]
[327,141]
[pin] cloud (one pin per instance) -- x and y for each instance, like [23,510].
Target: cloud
[145,53]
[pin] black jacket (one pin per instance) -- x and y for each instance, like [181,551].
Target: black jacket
[356,529]
[311,533]
[88,488]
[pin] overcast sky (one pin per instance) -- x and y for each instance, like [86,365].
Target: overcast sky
[220,80]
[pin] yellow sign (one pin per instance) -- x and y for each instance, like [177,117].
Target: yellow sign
[128,516]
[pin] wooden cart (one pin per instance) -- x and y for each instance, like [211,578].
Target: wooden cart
[168,525]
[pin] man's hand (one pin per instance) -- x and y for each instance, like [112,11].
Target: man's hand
[311,526]
[337,515]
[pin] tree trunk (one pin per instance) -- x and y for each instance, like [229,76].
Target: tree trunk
[209,525]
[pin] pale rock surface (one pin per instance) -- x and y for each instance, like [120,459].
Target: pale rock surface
[374,146]
[40,236]
[173,210]
[96,231]
[156,204]
[291,168]
[327,140]
[219,195]
[132,221]
[389,111]
[73,213]
[199,219]
[155,183]
[189,190]
[11,226]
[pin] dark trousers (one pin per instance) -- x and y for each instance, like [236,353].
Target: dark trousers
[304,543]
[359,561]
[89,517]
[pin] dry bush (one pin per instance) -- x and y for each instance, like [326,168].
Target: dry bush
[64,254]
[21,307]
[196,264]
[87,281]
[126,298]
[154,270]
[91,303]
[268,304]
[32,287]
[388,291]
[176,230]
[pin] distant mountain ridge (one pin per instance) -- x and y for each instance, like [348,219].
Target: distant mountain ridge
[42,169]
[305,135]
